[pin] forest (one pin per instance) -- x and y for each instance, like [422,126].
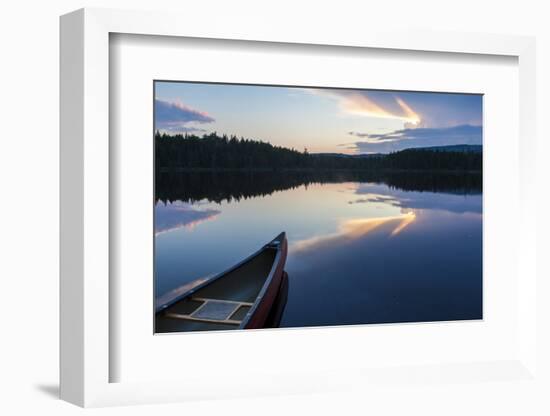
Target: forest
[222,152]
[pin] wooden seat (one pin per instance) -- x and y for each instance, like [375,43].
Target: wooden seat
[217,311]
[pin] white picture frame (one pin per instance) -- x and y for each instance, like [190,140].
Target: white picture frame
[85,205]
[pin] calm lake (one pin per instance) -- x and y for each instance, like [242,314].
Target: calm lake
[362,248]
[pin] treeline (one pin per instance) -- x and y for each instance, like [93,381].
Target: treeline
[212,151]
[215,152]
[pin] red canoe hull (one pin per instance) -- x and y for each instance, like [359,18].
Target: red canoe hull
[261,314]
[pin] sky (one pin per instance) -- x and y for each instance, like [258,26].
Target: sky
[321,120]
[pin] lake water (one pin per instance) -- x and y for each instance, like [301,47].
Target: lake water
[362,249]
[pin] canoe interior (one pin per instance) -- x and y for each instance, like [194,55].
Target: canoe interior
[237,290]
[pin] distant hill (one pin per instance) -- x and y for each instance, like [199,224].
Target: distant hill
[354,156]
[462,148]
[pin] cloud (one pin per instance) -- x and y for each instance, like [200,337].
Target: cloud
[415,110]
[377,138]
[372,104]
[418,137]
[356,134]
[413,120]
[178,128]
[178,117]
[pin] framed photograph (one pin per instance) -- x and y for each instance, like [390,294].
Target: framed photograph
[243,215]
[376,219]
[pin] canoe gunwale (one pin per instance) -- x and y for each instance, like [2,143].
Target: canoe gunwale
[268,280]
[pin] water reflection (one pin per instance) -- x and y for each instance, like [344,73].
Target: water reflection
[170,217]
[457,201]
[428,272]
[356,229]
[361,249]
[219,186]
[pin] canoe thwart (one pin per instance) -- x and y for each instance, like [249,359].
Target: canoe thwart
[218,311]
[211,321]
[198,299]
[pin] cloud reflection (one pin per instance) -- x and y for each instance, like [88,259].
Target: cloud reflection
[377,198]
[358,228]
[452,202]
[174,216]
[405,222]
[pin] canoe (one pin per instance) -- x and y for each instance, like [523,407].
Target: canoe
[276,314]
[243,297]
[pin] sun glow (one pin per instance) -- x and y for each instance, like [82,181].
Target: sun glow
[360,104]
[411,117]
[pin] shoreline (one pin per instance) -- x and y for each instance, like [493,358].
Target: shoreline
[310,170]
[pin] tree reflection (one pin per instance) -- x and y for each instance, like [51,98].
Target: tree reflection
[219,186]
